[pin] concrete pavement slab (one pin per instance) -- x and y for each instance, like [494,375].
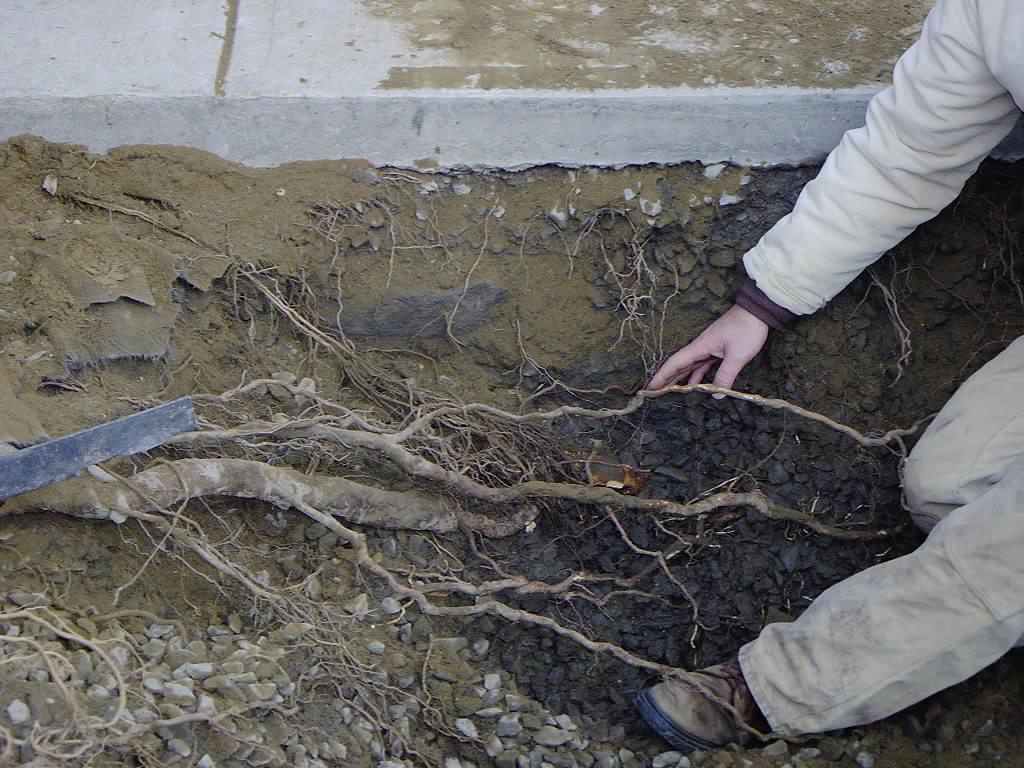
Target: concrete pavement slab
[396,83]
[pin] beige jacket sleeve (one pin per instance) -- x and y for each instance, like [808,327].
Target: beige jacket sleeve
[924,136]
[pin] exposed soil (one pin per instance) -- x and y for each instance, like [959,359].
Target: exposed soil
[520,290]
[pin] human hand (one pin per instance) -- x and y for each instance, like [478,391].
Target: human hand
[731,341]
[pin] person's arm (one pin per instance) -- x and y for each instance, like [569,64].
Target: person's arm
[924,137]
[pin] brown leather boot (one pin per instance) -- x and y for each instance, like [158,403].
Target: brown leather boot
[690,712]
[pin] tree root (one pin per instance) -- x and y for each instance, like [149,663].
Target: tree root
[171,483]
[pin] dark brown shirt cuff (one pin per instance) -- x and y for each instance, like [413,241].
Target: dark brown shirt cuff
[754,300]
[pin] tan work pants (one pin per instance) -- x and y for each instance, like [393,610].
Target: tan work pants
[895,633]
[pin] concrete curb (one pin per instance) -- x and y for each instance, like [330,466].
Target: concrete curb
[500,129]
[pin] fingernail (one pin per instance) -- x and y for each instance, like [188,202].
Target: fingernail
[718,396]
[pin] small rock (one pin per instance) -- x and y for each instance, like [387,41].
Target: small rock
[714,171]
[666,760]
[832,749]
[97,693]
[179,692]
[390,606]
[565,722]
[494,747]
[358,606]
[492,698]
[492,681]
[28,599]
[557,216]
[6,278]
[550,736]
[18,712]
[197,671]
[376,647]
[159,630]
[480,647]
[154,649]
[179,747]
[650,207]
[776,749]
[452,644]
[461,189]
[865,759]
[167,709]
[726,199]
[262,691]
[509,726]
[467,728]
[290,633]
[206,705]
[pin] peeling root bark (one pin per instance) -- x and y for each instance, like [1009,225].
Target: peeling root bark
[168,484]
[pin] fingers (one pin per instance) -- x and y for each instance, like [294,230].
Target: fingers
[679,366]
[727,372]
[701,371]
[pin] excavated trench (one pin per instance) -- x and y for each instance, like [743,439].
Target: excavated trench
[525,291]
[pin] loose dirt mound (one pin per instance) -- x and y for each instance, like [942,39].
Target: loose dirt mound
[469,345]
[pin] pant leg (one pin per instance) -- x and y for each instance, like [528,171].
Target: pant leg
[970,444]
[897,632]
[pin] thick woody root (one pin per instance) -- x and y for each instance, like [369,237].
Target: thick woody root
[169,484]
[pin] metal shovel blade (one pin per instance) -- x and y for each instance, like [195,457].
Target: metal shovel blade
[64,457]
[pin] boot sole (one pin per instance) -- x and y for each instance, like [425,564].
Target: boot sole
[680,739]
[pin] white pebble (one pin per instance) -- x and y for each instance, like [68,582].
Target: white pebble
[650,207]
[492,681]
[467,728]
[714,171]
[206,705]
[565,722]
[179,691]
[159,630]
[18,712]
[666,760]
[865,760]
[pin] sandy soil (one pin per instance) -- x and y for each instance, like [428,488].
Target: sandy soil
[127,287]
[550,44]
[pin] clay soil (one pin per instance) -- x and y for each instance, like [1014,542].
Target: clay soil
[524,291]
